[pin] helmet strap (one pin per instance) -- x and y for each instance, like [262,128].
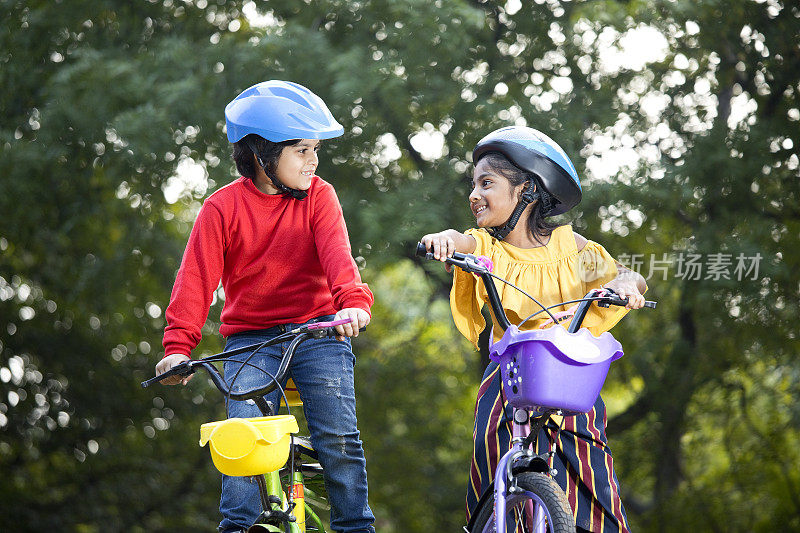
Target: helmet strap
[297,194]
[548,203]
[501,232]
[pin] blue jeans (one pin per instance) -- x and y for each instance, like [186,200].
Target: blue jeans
[322,369]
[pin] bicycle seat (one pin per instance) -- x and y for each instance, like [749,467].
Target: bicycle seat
[292,394]
[303,445]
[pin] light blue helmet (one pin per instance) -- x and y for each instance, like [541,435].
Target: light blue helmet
[280,111]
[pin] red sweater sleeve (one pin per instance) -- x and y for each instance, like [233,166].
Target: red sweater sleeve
[335,255]
[198,277]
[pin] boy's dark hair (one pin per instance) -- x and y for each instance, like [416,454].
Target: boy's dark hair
[267,150]
[538,225]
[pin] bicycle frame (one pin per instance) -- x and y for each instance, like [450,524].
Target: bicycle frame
[269,483]
[504,477]
[504,480]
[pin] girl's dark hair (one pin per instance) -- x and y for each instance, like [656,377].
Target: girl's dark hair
[538,225]
[267,150]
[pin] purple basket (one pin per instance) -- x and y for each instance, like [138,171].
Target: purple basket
[553,369]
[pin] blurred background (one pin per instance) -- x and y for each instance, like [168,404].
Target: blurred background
[680,115]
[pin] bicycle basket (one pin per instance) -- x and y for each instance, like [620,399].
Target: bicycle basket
[554,369]
[249,446]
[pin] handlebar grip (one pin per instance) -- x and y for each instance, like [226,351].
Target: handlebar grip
[456,259]
[421,251]
[182,369]
[622,302]
[616,300]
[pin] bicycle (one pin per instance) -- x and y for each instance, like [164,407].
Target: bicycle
[265,447]
[553,371]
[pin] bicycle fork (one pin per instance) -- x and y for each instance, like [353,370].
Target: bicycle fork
[269,485]
[505,483]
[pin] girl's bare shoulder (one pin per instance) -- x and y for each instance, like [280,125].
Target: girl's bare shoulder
[580,241]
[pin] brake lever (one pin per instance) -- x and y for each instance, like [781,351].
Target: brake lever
[479,264]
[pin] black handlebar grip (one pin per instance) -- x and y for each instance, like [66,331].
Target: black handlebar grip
[622,302]
[181,369]
[421,250]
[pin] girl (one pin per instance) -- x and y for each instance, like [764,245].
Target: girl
[521,177]
[277,239]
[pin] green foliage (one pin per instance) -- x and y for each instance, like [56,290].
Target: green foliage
[103,101]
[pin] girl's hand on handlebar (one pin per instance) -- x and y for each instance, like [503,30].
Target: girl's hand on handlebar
[167,363]
[627,289]
[442,245]
[358,319]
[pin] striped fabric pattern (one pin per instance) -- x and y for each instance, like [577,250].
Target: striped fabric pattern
[583,459]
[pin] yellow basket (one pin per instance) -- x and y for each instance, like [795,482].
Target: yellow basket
[249,446]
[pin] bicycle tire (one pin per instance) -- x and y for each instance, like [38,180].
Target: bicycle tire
[534,485]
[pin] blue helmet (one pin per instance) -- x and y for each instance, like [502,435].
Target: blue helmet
[533,151]
[280,111]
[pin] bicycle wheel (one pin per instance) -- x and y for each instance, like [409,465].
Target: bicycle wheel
[538,490]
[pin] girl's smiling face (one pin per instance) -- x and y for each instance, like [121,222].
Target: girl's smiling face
[298,163]
[493,198]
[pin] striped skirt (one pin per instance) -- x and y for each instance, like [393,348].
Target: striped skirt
[583,459]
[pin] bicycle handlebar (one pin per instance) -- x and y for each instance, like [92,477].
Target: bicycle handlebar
[301,334]
[470,263]
[473,264]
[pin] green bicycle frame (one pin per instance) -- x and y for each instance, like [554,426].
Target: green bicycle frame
[302,512]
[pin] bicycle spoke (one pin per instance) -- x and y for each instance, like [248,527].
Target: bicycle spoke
[522,517]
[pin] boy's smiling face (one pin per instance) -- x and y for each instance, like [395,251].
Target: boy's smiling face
[298,163]
[296,166]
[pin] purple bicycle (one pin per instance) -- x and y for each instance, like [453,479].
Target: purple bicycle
[553,371]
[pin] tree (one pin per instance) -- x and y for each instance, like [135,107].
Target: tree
[96,115]
[112,133]
[715,116]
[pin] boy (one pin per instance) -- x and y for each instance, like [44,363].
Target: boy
[277,239]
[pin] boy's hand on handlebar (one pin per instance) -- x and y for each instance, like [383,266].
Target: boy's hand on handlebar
[627,289]
[358,319]
[167,363]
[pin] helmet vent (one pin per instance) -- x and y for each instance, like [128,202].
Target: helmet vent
[301,121]
[291,95]
[279,111]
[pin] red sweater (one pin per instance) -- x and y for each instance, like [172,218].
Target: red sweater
[280,260]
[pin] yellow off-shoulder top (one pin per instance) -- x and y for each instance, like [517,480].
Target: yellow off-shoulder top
[553,273]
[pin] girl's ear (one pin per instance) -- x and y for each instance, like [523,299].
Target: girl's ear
[527,187]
